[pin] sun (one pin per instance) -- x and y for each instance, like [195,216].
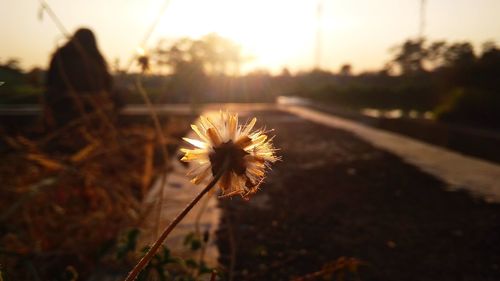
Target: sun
[270,32]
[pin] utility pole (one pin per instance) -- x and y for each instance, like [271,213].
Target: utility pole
[421,30]
[319,16]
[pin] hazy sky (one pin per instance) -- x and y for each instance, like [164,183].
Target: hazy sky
[277,33]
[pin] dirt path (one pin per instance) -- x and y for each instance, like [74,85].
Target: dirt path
[335,195]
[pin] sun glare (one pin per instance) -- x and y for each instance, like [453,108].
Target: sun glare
[140,51]
[267,31]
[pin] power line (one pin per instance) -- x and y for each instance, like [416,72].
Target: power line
[319,15]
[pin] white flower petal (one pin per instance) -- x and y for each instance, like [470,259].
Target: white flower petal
[196,143]
[199,133]
[249,127]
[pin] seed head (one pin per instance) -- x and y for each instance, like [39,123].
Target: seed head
[240,154]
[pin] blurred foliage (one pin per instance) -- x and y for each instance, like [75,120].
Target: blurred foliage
[67,193]
[451,79]
[19,87]
[423,76]
[465,83]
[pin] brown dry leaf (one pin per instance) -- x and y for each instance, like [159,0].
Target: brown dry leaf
[84,153]
[12,142]
[44,161]
[87,136]
[26,142]
[333,269]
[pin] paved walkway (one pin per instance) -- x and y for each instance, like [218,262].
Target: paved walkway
[176,193]
[461,172]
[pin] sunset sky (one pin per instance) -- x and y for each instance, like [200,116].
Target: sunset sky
[277,33]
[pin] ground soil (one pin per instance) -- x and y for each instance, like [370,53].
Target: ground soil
[335,195]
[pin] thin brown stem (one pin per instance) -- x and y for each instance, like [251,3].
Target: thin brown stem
[232,242]
[163,143]
[213,275]
[156,121]
[54,18]
[197,219]
[154,249]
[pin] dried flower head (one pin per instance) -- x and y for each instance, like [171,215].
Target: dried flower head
[242,155]
[142,59]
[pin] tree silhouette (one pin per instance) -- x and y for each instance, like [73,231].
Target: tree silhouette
[191,62]
[213,53]
[345,70]
[459,54]
[410,56]
[435,53]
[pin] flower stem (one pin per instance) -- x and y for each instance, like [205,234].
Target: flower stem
[154,249]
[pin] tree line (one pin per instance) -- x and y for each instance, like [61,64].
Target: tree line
[452,79]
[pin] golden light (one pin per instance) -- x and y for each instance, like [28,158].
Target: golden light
[140,51]
[268,31]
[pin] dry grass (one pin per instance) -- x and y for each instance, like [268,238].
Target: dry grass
[62,200]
